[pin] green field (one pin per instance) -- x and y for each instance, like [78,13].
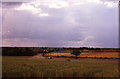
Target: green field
[27,67]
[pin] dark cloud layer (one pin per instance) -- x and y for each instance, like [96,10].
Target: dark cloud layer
[11,4]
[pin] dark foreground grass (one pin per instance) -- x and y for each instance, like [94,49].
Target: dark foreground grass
[25,67]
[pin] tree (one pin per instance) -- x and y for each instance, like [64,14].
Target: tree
[76,52]
[44,52]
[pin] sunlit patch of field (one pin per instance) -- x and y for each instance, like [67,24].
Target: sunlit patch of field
[95,54]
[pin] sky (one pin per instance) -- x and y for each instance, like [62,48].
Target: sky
[60,23]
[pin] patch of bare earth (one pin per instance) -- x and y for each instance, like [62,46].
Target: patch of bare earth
[37,57]
[89,60]
[79,59]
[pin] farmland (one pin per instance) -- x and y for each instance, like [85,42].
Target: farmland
[86,54]
[33,62]
[25,66]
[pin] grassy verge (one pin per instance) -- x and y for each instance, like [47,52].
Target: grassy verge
[25,67]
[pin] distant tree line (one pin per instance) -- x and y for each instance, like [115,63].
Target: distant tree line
[18,51]
[30,51]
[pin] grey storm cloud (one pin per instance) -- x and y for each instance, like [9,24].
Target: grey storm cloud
[11,4]
[93,24]
[52,28]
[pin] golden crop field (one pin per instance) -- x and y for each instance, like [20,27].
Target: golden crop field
[96,54]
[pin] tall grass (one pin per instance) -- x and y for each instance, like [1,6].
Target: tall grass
[25,67]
